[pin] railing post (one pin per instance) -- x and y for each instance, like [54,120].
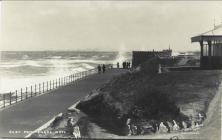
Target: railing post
[47,85]
[3,100]
[39,88]
[21,94]
[26,92]
[64,82]
[31,91]
[10,98]
[53,84]
[43,87]
[16,96]
[56,82]
[50,85]
[35,89]
[59,82]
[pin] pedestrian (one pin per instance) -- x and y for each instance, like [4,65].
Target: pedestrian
[129,64]
[117,64]
[104,68]
[124,65]
[99,69]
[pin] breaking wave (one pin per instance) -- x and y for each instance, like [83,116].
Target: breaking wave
[20,69]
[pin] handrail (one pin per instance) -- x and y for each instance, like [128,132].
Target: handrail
[44,87]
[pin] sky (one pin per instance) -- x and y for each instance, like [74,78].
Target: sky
[105,25]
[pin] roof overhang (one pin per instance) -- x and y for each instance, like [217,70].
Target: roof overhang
[206,38]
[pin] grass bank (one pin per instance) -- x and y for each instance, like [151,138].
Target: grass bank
[148,98]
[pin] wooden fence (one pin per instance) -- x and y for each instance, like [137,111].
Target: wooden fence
[41,88]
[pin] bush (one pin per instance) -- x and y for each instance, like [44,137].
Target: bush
[152,104]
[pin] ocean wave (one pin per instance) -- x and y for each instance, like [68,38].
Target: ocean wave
[54,57]
[87,66]
[24,57]
[40,67]
[19,64]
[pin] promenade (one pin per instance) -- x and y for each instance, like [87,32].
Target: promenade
[30,114]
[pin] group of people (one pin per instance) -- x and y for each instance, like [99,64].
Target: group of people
[101,68]
[125,65]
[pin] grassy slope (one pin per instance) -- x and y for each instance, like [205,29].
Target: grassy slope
[153,95]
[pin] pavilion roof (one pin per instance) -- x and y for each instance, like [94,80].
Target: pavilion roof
[211,35]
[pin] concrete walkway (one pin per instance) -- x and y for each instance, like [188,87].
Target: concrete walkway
[34,112]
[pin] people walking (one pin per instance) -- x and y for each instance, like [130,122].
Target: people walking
[104,68]
[124,65]
[128,65]
[99,69]
[117,64]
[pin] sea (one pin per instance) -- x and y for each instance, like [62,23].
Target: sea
[19,69]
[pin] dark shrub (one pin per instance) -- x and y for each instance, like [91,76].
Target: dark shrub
[152,104]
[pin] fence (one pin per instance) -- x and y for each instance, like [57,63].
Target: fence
[41,88]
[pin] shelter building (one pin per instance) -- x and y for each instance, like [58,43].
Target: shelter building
[210,48]
[140,57]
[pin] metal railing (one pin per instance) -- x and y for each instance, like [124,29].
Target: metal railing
[41,88]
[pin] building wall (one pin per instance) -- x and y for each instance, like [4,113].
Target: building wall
[217,49]
[140,57]
[213,62]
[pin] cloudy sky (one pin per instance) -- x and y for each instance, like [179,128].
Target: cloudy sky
[105,25]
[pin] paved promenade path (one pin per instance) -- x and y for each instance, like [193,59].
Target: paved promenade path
[30,114]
